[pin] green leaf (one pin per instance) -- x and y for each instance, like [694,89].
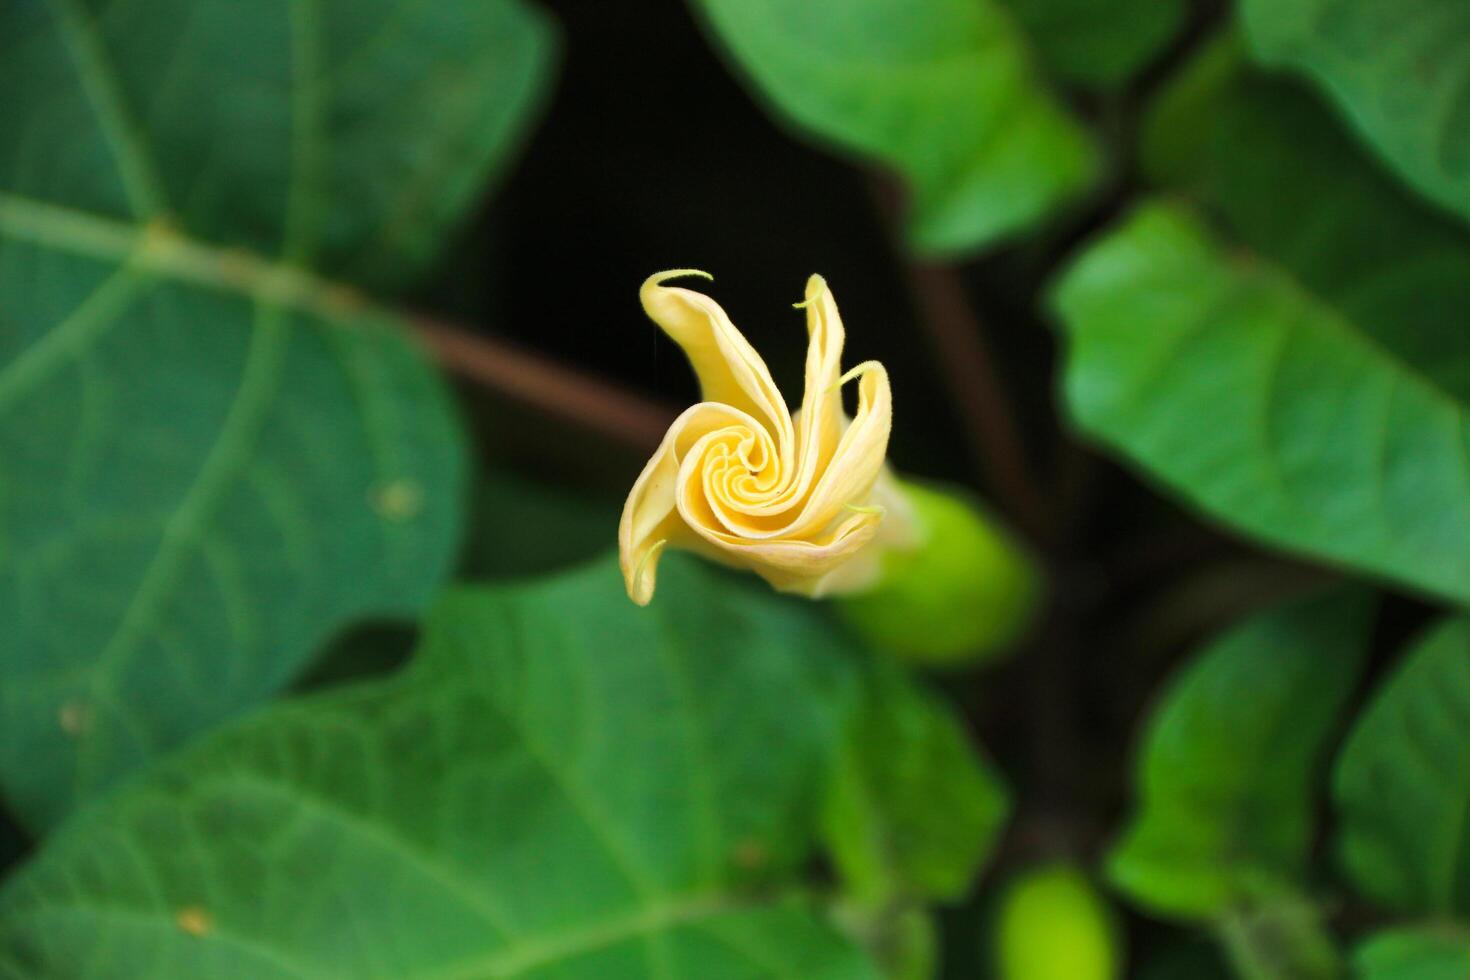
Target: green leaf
[913,810]
[1098,42]
[1225,774]
[1264,405]
[1402,784]
[1396,68]
[1310,389]
[942,91]
[561,785]
[1281,938]
[212,458]
[902,939]
[1423,953]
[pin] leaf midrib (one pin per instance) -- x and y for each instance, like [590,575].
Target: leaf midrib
[146,920]
[520,959]
[161,249]
[606,934]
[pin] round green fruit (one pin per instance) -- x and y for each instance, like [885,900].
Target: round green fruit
[1053,925]
[962,596]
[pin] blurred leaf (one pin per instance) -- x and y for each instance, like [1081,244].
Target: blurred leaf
[941,90]
[913,811]
[562,784]
[1402,784]
[1397,70]
[1265,405]
[1282,938]
[1098,42]
[1226,771]
[345,136]
[522,527]
[1425,953]
[1272,166]
[901,938]
[213,459]
[1313,391]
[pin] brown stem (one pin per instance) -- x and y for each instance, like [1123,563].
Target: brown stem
[973,381]
[979,395]
[598,405]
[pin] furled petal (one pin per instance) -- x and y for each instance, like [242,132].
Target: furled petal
[730,372]
[650,516]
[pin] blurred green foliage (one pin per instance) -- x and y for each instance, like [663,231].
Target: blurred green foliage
[1102,44]
[647,825]
[1226,771]
[1402,782]
[943,91]
[1440,953]
[911,813]
[1322,319]
[1396,68]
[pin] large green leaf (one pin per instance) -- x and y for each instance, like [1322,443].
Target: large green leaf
[941,90]
[1098,42]
[1428,953]
[1402,784]
[1265,405]
[1311,390]
[211,457]
[913,810]
[1225,775]
[561,785]
[1399,69]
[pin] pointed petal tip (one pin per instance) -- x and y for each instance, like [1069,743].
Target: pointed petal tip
[640,583]
[659,278]
[653,294]
[815,287]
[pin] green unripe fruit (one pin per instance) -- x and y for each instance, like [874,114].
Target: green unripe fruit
[962,595]
[1053,925]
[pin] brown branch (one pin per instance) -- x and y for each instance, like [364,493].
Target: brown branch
[536,381]
[972,380]
[979,395]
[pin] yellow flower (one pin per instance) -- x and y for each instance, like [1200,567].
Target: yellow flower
[805,500]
